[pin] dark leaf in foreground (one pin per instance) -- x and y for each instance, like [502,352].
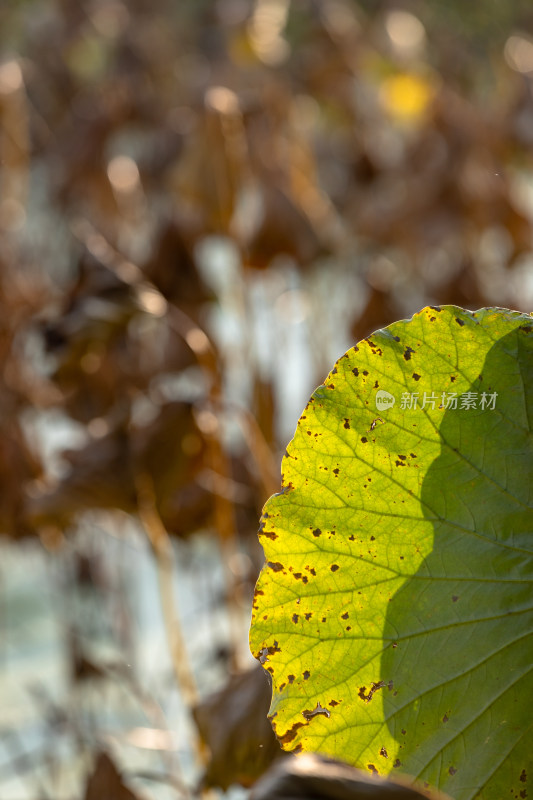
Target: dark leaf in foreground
[233,724]
[105,782]
[313,776]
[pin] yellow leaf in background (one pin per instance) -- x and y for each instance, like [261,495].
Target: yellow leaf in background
[241,51]
[406,97]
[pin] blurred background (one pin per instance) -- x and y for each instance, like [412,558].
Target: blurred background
[203,204]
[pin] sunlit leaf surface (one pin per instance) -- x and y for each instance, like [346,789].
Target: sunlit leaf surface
[395,610]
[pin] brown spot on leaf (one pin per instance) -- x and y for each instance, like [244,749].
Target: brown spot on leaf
[355,371]
[453,378]
[372,769]
[262,655]
[383,753]
[460,322]
[275,566]
[336,471]
[452,770]
[416,376]
[364,439]
[367,697]
[523,776]
[306,675]
[345,615]
[445,718]
[407,353]
[317,532]
[309,615]
[295,618]
[347,423]
[455,598]
[318,709]
[397,763]
[291,678]
[269,534]
[334,567]
[291,733]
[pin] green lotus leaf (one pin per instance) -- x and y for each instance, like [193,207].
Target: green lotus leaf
[395,609]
